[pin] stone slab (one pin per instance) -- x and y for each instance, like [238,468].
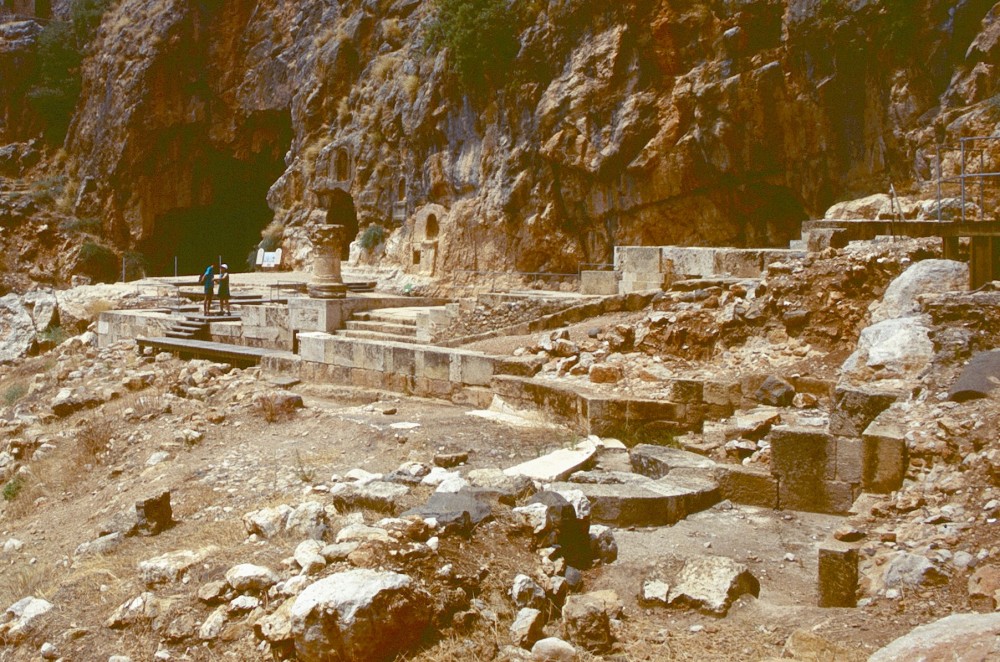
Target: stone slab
[649,503]
[557,465]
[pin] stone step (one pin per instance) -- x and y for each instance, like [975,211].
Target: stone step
[180,335]
[656,462]
[374,335]
[384,317]
[383,327]
[647,502]
[798,245]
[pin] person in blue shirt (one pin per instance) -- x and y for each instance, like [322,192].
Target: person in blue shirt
[208,281]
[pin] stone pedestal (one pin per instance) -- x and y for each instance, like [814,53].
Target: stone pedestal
[327,282]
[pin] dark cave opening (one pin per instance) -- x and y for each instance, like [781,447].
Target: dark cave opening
[229,224]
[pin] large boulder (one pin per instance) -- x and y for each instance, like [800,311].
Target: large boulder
[959,637]
[924,277]
[17,330]
[712,583]
[358,615]
[897,347]
[20,619]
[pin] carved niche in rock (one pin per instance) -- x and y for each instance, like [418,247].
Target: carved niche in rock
[424,241]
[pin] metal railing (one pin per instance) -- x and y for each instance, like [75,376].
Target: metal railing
[974,175]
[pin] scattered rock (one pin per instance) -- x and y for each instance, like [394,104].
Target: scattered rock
[956,637]
[358,614]
[712,583]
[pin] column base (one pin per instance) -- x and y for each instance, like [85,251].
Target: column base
[327,290]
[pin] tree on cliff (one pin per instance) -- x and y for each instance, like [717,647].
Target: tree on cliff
[481,38]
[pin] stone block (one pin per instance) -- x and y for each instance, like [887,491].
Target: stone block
[884,456]
[739,262]
[724,393]
[339,352]
[433,364]
[312,346]
[638,411]
[684,391]
[369,356]
[804,461]
[690,261]
[838,575]
[476,369]
[855,407]
[400,359]
[751,486]
[638,259]
[432,388]
[599,282]
[367,378]
[849,460]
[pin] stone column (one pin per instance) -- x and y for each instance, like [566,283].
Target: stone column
[327,282]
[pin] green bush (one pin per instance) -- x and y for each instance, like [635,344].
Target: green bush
[14,393]
[373,236]
[481,38]
[99,262]
[12,488]
[53,336]
[60,53]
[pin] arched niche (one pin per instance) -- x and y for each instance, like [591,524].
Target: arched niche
[401,190]
[341,165]
[431,227]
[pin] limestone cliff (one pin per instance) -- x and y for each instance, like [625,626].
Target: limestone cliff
[654,121]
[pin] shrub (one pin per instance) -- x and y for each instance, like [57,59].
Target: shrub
[52,336]
[373,235]
[480,36]
[271,236]
[14,393]
[93,439]
[135,265]
[12,488]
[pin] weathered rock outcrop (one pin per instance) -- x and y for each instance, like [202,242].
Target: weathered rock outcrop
[622,123]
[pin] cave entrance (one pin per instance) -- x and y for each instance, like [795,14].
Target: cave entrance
[341,211]
[234,212]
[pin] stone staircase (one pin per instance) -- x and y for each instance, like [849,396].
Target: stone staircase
[195,327]
[388,324]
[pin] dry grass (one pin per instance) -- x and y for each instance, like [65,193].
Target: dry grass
[272,407]
[411,85]
[96,307]
[94,437]
[21,580]
[384,65]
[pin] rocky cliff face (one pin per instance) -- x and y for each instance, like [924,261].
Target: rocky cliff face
[658,121]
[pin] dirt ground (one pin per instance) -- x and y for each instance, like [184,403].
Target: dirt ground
[244,463]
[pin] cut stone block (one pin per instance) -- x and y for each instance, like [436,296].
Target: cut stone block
[856,407]
[657,461]
[747,485]
[804,460]
[849,460]
[599,282]
[884,456]
[838,575]
[650,503]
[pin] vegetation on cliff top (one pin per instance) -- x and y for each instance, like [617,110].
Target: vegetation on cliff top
[481,38]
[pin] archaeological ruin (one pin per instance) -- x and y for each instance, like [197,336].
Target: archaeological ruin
[559,330]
